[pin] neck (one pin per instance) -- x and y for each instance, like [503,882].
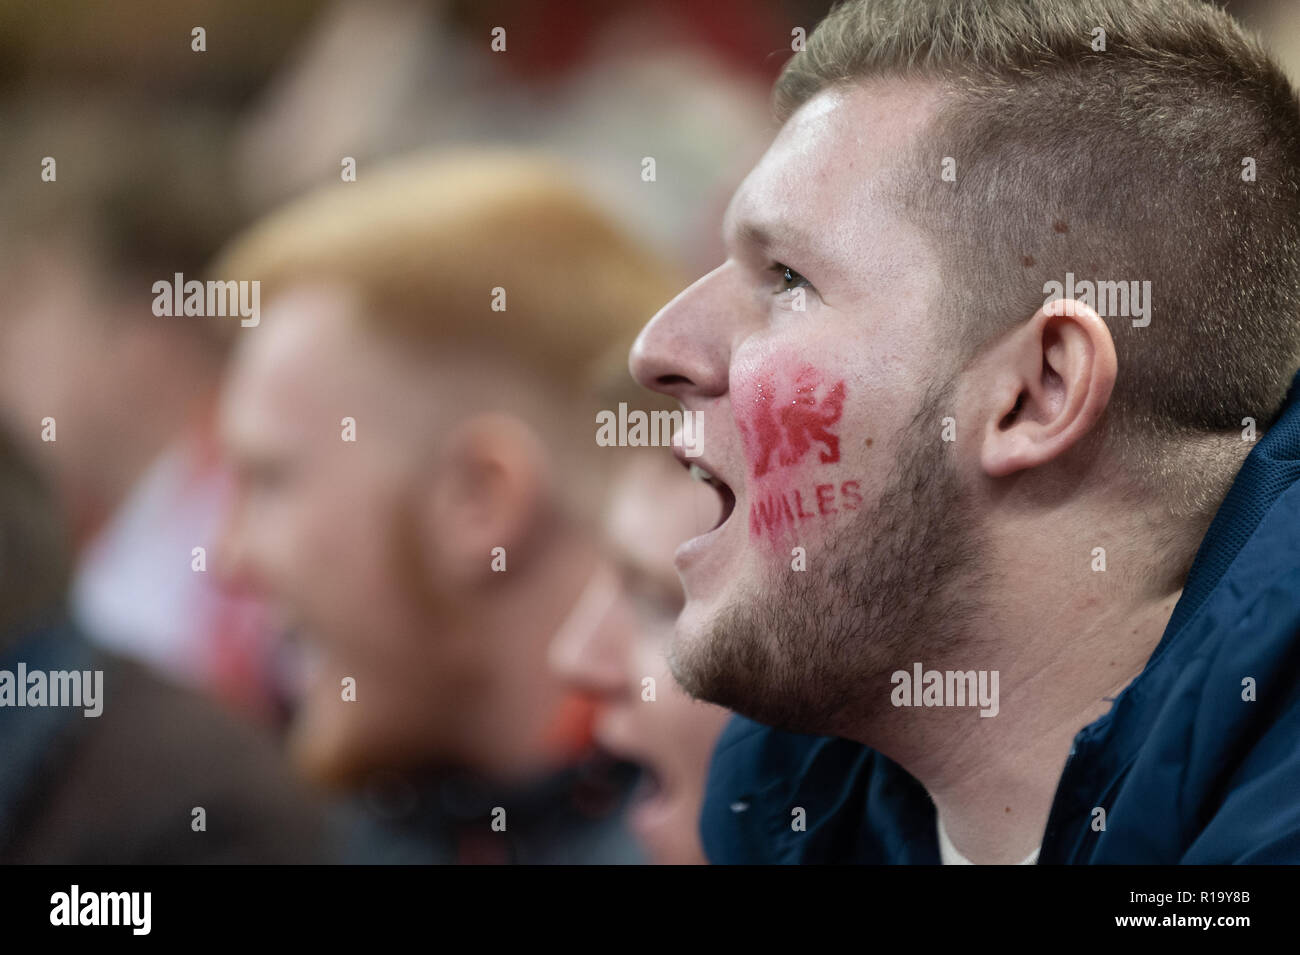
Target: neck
[1064,646]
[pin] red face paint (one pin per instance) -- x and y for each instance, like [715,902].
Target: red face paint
[777,512]
[788,421]
[783,427]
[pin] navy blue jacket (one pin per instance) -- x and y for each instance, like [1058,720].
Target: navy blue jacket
[1186,770]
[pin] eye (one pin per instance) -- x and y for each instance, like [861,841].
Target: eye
[655,604]
[264,476]
[789,278]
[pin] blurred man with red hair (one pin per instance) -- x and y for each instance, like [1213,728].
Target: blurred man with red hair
[415,463]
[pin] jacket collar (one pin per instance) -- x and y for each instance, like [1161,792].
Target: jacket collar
[1268,471]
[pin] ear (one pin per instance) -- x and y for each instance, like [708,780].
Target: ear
[490,489]
[1051,380]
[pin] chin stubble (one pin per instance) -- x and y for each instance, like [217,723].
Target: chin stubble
[812,651]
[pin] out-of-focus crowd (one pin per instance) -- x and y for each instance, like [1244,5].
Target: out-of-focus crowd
[360,582]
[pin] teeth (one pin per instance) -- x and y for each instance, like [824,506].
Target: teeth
[699,474]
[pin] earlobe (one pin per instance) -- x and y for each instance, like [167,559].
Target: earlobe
[1054,380]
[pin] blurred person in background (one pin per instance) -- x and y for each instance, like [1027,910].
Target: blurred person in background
[113,402]
[120,778]
[416,471]
[617,639]
[384,78]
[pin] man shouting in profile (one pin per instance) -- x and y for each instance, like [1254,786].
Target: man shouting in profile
[999,383]
[415,488]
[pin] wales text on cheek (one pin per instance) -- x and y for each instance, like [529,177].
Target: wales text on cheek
[788,422]
[779,512]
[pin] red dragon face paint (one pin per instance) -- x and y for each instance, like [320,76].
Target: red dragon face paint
[788,424]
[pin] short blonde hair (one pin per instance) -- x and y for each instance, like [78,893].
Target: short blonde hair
[425,242]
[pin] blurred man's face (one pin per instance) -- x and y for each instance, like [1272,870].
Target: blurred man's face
[816,422]
[619,639]
[53,339]
[77,349]
[316,524]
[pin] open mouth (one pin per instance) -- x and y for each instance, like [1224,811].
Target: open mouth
[725,493]
[649,786]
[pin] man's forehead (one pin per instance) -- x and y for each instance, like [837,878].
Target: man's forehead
[314,360]
[836,152]
[293,366]
[306,323]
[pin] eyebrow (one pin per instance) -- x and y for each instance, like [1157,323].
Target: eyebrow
[754,234]
[764,236]
[637,571]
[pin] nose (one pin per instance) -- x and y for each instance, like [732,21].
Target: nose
[685,350]
[591,648]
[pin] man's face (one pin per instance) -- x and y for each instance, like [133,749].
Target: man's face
[817,386]
[610,650]
[74,349]
[316,518]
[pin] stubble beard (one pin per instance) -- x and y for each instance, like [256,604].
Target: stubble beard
[812,651]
